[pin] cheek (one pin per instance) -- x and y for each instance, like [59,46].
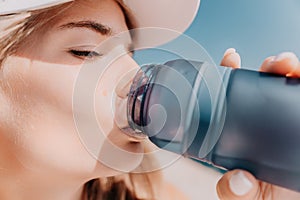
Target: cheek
[104,102]
[42,86]
[39,91]
[42,95]
[41,102]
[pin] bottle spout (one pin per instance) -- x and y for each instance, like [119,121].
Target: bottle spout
[158,100]
[156,106]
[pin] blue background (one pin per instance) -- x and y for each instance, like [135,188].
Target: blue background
[256,28]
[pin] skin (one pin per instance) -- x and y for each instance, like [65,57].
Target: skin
[42,152]
[286,64]
[42,155]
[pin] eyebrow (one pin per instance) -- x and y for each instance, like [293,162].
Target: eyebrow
[94,26]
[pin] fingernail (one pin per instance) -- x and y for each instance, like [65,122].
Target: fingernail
[240,184]
[287,55]
[229,51]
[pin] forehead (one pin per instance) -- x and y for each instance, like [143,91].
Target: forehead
[106,12]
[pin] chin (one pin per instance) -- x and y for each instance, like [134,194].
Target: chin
[121,158]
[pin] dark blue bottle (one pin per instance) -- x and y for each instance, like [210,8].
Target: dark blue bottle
[231,118]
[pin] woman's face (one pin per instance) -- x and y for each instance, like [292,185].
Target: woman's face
[56,76]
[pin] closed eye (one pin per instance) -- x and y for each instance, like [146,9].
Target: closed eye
[84,54]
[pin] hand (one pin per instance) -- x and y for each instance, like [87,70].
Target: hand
[239,184]
[286,63]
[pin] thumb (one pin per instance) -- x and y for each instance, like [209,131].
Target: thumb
[238,185]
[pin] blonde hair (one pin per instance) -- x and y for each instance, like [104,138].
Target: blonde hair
[130,186]
[14,29]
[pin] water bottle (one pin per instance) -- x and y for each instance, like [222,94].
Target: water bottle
[230,118]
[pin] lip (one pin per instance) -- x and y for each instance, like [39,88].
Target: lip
[134,135]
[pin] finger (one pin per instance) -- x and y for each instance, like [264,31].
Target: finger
[295,73]
[238,185]
[231,59]
[265,67]
[284,64]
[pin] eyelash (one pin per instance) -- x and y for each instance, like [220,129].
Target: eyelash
[84,54]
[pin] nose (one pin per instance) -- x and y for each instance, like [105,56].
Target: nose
[128,61]
[124,83]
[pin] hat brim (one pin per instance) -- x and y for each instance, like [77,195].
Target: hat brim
[17,6]
[175,15]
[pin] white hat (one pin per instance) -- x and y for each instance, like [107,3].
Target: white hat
[176,15]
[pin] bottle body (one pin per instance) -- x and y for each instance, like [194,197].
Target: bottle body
[248,120]
[261,133]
